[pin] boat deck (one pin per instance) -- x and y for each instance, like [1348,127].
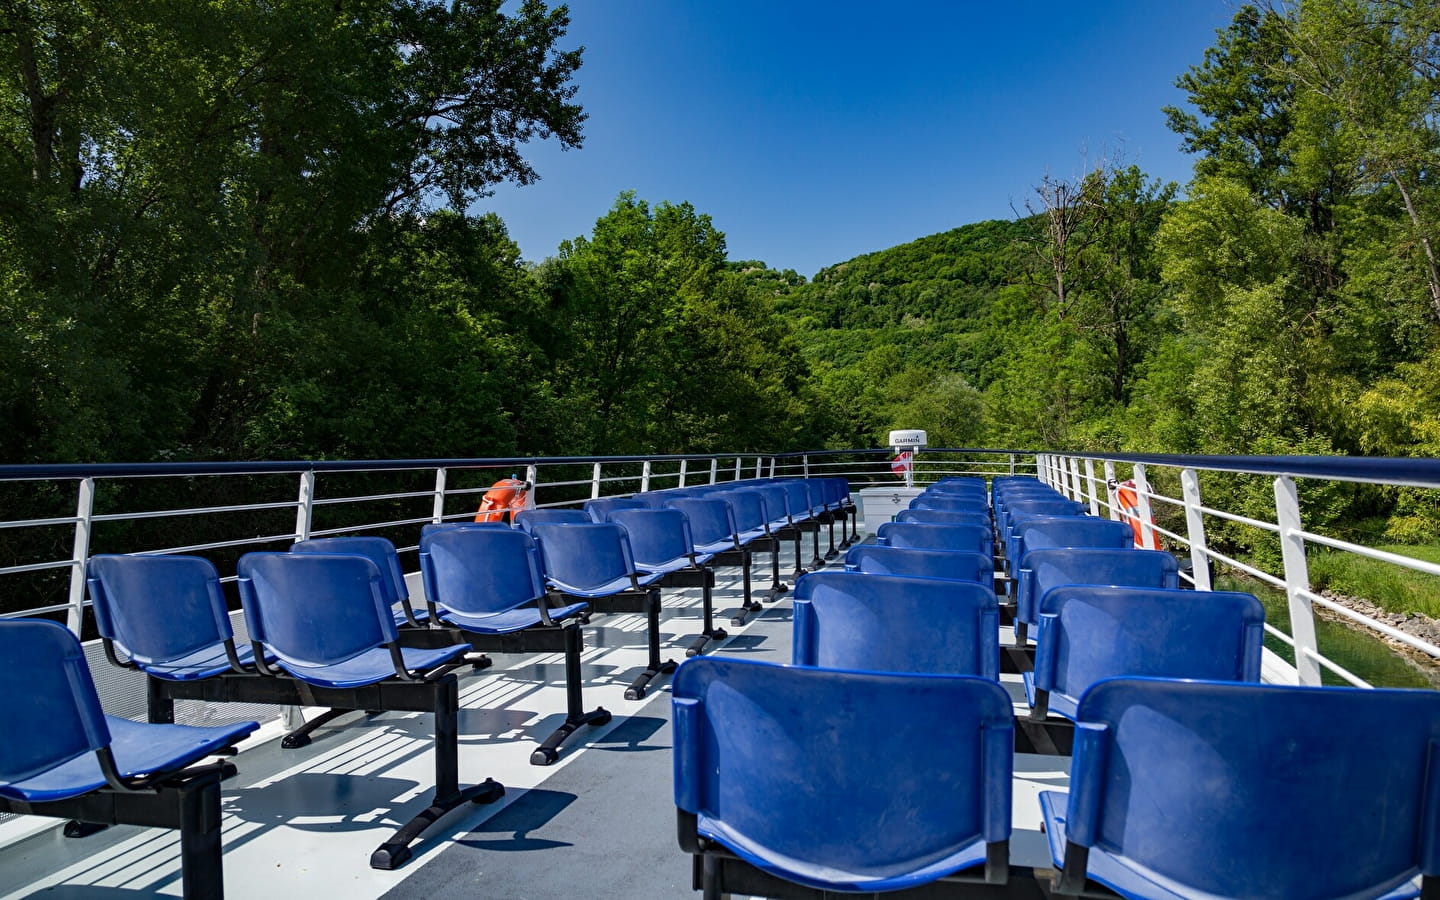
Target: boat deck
[599,823]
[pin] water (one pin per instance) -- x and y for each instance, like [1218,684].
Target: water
[1365,656]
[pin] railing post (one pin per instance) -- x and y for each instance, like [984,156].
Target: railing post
[737,468]
[759,467]
[1012,464]
[532,478]
[1148,539]
[1075,479]
[438,513]
[1297,579]
[772,467]
[305,505]
[805,462]
[645,476]
[1195,530]
[1090,483]
[84,511]
[595,482]
[714,469]
[1114,508]
[683,463]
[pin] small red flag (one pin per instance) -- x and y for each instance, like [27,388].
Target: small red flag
[902,463]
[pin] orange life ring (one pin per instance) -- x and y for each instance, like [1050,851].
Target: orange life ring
[505,498]
[1128,500]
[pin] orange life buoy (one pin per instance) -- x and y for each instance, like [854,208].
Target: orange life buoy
[1128,499]
[505,498]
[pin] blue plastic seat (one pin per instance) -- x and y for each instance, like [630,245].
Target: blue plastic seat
[1089,633]
[60,749]
[1028,531]
[593,561]
[326,619]
[782,524]
[943,517]
[1037,532]
[1052,567]
[948,503]
[599,508]
[166,614]
[959,565]
[804,515]
[488,584]
[841,780]
[751,515]
[662,544]
[382,553]
[896,623]
[1197,788]
[527,519]
[715,532]
[974,538]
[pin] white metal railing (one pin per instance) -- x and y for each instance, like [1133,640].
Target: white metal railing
[1064,472]
[37,577]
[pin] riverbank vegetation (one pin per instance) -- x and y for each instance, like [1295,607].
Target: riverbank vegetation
[242,231]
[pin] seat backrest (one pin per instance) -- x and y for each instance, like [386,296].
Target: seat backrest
[376,549]
[950,504]
[584,556]
[1353,771]
[896,623]
[800,507]
[777,502]
[657,536]
[1010,510]
[482,570]
[527,519]
[1051,567]
[158,608]
[839,780]
[1089,633]
[1037,532]
[599,509]
[711,521]
[47,700]
[429,527]
[746,506]
[964,490]
[943,517]
[961,565]
[313,609]
[975,538]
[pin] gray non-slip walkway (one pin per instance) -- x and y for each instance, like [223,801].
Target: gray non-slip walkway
[603,827]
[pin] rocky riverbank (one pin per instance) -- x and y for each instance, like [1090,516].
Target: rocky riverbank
[1414,624]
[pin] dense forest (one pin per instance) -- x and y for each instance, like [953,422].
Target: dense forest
[242,230]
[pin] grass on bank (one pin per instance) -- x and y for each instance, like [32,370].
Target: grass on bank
[1392,587]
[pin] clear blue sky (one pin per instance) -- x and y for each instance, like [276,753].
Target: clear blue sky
[814,131]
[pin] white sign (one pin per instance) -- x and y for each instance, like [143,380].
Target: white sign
[907,438]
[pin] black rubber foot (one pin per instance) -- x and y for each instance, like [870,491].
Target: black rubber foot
[389,858]
[480,662]
[492,791]
[668,666]
[544,756]
[635,693]
[602,717]
[295,741]
[74,829]
[737,621]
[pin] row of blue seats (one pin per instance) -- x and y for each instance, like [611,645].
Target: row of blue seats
[331,622]
[882,760]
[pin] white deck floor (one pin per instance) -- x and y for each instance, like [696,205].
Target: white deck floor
[302,823]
